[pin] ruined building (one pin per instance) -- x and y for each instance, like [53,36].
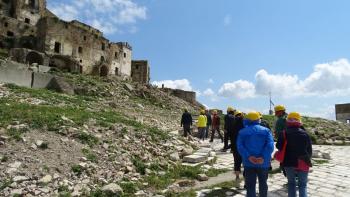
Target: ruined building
[33,34]
[342,112]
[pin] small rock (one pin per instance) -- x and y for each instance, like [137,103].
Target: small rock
[202,177]
[19,179]
[16,164]
[105,146]
[326,156]
[39,143]
[46,179]
[174,156]
[113,188]
[186,151]
[16,192]
[129,87]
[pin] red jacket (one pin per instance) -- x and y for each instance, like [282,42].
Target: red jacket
[216,121]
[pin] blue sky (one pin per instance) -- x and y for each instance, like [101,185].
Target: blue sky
[233,52]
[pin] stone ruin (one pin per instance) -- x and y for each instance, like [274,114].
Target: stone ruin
[33,34]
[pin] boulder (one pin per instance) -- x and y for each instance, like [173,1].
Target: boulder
[174,157]
[113,188]
[202,177]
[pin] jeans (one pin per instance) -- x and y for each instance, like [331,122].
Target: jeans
[201,132]
[250,180]
[207,131]
[292,174]
[187,129]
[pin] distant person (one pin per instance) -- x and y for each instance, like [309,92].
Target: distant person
[236,129]
[263,122]
[255,144]
[297,160]
[209,121]
[202,124]
[186,122]
[280,113]
[216,126]
[229,121]
[280,125]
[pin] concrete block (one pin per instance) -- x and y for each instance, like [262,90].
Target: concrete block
[44,69]
[195,158]
[41,80]
[20,77]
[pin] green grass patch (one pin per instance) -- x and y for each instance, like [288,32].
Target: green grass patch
[77,169]
[90,156]
[212,172]
[320,161]
[16,134]
[4,159]
[5,183]
[87,138]
[63,191]
[172,174]
[129,188]
[140,165]
[190,193]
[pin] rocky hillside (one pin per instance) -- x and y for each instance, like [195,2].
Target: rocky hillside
[323,131]
[110,138]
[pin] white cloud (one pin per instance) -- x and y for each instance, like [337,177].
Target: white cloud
[239,89]
[208,92]
[227,20]
[107,15]
[326,80]
[279,84]
[329,78]
[182,84]
[211,81]
[211,95]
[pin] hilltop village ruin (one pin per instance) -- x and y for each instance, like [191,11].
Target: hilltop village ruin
[34,35]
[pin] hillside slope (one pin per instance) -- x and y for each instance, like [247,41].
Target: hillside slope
[55,144]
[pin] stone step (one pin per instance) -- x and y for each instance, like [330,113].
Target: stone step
[195,158]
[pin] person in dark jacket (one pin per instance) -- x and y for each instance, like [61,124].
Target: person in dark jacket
[208,123]
[236,156]
[186,122]
[229,121]
[297,159]
[216,126]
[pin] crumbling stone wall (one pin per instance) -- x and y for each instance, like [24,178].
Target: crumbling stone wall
[342,112]
[140,71]
[86,45]
[188,96]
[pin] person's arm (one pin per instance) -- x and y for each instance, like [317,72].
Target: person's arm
[241,148]
[280,141]
[269,145]
[182,119]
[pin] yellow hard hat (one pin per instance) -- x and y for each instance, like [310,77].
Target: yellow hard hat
[294,115]
[238,112]
[202,111]
[230,109]
[253,116]
[280,108]
[215,111]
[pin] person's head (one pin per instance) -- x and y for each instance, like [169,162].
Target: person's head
[215,112]
[260,114]
[280,110]
[238,113]
[294,119]
[230,110]
[185,110]
[252,117]
[202,112]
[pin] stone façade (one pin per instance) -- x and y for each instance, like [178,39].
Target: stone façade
[33,34]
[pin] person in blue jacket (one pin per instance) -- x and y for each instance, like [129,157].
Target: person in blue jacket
[255,145]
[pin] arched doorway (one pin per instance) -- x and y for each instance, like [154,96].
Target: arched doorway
[34,57]
[104,71]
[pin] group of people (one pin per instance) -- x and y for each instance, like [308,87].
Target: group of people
[252,143]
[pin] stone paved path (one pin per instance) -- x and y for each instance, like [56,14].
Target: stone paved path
[325,180]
